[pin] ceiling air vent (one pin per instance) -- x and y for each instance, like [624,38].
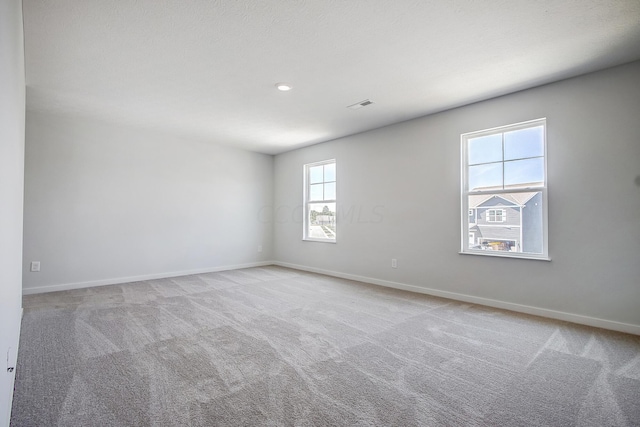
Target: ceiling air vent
[360,104]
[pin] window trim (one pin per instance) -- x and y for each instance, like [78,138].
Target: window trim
[306,202]
[465,193]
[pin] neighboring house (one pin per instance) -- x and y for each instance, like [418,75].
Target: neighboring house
[506,222]
[325,220]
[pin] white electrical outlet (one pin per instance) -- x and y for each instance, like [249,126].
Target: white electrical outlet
[259,248]
[35,266]
[394,263]
[10,360]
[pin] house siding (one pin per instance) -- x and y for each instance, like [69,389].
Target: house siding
[513,212]
[506,230]
[532,218]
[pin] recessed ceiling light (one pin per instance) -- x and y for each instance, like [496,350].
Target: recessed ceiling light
[283,86]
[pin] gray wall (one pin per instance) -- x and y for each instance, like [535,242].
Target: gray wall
[107,203]
[410,172]
[12,104]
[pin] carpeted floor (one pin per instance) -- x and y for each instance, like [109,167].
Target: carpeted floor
[278,347]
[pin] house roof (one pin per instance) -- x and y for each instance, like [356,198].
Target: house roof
[518,199]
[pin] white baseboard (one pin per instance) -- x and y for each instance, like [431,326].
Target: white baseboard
[537,311]
[543,312]
[120,280]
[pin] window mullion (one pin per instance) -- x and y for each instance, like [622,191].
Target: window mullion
[502,140]
[505,191]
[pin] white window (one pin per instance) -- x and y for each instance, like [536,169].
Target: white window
[505,170]
[320,201]
[496,215]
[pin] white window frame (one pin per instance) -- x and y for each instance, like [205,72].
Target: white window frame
[503,215]
[307,202]
[465,193]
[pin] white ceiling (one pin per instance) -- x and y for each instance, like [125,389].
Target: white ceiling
[207,69]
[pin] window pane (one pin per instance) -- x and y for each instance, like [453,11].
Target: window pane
[485,176]
[497,245]
[496,215]
[524,143]
[485,149]
[330,172]
[507,222]
[524,173]
[322,221]
[330,191]
[315,174]
[315,192]
[532,224]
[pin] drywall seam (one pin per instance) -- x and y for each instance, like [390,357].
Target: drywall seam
[543,312]
[120,280]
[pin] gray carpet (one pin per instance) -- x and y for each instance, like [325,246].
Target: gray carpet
[278,347]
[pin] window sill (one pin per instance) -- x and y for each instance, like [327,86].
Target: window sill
[319,240]
[506,255]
